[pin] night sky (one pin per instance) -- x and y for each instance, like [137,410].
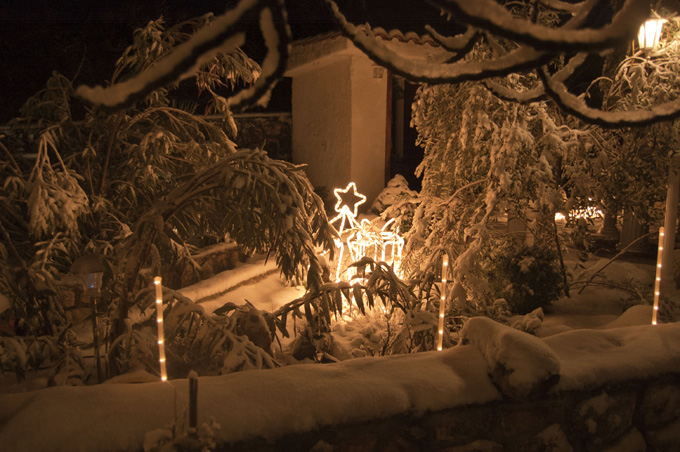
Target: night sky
[82,39]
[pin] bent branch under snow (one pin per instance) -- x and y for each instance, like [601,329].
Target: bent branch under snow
[226,34]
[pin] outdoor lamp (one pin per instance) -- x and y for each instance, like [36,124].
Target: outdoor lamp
[90,269]
[649,34]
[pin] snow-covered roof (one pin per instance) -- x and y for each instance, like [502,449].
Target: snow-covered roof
[379,32]
[328,45]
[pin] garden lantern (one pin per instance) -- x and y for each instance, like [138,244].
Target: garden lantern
[649,34]
[90,270]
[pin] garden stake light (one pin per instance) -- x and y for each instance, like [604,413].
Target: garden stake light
[159,319]
[657,281]
[442,302]
[90,269]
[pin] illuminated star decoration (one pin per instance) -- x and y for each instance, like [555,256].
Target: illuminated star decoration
[349,200]
[348,208]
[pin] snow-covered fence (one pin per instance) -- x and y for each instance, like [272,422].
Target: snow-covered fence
[582,390]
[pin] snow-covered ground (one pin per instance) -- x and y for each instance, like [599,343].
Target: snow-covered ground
[617,343]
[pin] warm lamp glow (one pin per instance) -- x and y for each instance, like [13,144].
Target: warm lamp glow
[649,34]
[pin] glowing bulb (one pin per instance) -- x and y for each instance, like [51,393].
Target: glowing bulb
[441,331]
[159,320]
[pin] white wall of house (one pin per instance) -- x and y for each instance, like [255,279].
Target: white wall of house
[369,127]
[340,117]
[340,111]
[322,122]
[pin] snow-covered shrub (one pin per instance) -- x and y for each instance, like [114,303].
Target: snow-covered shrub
[12,356]
[140,186]
[527,277]
[396,201]
[484,159]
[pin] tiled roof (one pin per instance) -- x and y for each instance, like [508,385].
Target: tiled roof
[392,35]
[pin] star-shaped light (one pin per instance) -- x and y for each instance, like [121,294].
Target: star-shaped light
[349,201]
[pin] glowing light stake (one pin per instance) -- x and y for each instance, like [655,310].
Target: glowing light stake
[442,302]
[159,319]
[347,216]
[657,282]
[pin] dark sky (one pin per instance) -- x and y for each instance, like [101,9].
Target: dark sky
[82,39]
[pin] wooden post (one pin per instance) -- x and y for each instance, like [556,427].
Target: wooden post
[193,404]
[95,337]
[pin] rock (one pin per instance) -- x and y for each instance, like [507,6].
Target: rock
[660,405]
[633,441]
[604,418]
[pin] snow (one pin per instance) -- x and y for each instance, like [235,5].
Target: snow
[246,404]
[302,397]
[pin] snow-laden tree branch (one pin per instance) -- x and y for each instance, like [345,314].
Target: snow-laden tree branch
[495,18]
[527,46]
[225,34]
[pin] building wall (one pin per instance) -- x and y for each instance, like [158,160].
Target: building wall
[369,127]
[322,123]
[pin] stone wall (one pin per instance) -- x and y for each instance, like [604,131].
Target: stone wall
[640,415]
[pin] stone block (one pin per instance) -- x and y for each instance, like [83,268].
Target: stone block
[480,445]
[465,425]
[632,441]
[660,405]
[600,420]
[665,439]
